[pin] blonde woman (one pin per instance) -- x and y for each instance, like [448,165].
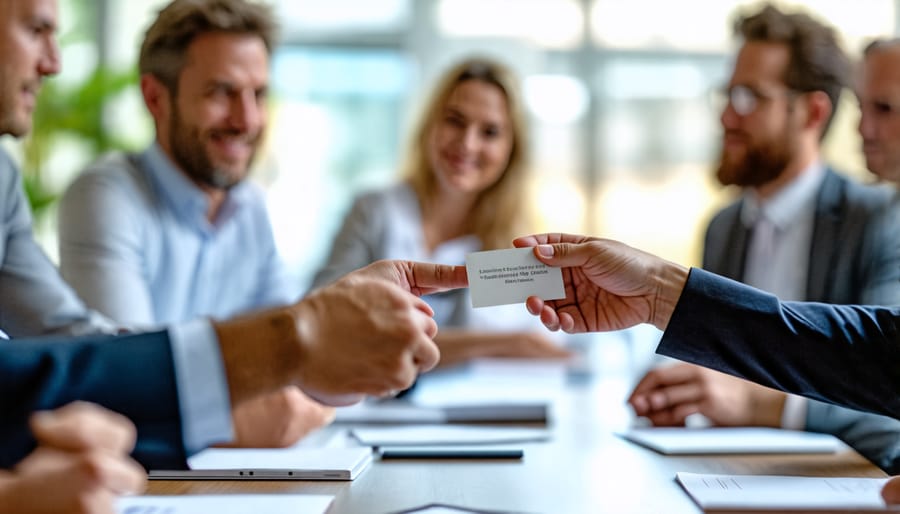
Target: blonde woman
[462,191]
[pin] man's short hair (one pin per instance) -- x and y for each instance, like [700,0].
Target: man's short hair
[817,61]
[165,45]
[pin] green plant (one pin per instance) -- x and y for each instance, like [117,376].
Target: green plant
[71,111]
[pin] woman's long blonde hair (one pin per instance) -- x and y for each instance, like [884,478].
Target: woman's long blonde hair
[500,212]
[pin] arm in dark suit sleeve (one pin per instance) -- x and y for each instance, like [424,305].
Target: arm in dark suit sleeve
[848,355]
[132,374]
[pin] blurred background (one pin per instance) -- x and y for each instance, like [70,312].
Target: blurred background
[618,94]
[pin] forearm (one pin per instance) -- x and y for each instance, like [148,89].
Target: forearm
[460,345]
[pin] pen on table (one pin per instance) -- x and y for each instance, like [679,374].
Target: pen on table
[450,453]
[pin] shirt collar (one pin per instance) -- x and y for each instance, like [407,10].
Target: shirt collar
[187,201]
[783,207]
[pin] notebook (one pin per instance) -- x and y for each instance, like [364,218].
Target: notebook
[272,464]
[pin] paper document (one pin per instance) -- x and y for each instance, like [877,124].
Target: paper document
[273,464]
[501,277]
[225,504]
[722,440]
[763,493]
[446,435]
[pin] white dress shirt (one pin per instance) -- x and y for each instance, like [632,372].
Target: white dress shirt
[778,251]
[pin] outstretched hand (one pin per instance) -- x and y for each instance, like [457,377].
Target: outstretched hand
[608,285]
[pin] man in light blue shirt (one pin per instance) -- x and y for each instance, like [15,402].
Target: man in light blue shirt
[177,232]
[137,245]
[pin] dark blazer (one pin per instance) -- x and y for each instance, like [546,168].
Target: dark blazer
[855,251]
[843,354]
[130,374]
[853,259]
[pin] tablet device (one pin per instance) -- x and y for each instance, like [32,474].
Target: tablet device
[272,464]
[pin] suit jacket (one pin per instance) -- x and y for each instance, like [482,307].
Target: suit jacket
[132,374]
[853,259]
[843,354]
[33,297]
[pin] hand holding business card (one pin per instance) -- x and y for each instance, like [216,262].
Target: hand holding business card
[501,277]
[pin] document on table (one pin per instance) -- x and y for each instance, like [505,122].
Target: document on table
[294,463]
[765,493]
[225,504]
[500,277]
[446,435]
[738,440]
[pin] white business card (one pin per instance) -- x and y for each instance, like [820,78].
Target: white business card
[501,277]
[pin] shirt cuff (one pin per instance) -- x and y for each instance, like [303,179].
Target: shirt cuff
[793,417]
[202,386]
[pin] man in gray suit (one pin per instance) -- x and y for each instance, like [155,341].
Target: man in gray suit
[800,230]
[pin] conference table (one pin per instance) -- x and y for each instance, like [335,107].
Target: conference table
[584,467]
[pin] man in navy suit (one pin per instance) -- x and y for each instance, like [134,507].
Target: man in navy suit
[368,333]
[799,231]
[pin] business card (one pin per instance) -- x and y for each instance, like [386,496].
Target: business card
[501,277]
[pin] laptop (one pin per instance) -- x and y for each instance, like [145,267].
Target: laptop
[296,463]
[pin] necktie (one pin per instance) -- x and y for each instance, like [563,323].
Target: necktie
[761,254]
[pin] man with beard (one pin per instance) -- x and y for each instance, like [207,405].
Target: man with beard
[799,231]
[176,232]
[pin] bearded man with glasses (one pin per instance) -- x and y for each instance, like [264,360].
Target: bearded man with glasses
[799,230]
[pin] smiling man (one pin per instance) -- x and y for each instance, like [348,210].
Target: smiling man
[176,232]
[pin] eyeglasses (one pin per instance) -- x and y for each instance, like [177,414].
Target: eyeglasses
[743,99]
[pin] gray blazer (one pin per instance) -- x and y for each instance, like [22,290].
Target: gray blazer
[854,259]
[34,299]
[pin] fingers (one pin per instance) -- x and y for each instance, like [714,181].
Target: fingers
[418,278]
[433,278]
[891,491]
[534,305]
[50,480]
[430,326]
[651,393]
[83,426]
[425,355]
[119,475]
[564,254]
[548,238]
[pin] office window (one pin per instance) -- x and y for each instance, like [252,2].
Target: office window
[336,130]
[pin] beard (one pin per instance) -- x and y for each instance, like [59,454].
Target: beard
[193,158]
[761,163]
